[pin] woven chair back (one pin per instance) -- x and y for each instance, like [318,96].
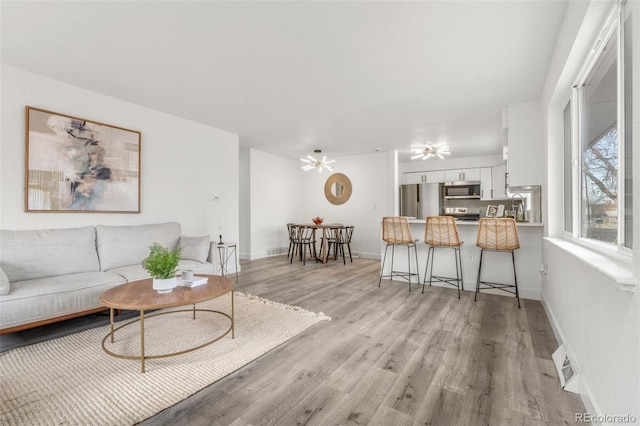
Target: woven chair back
[498,234]
[395,230]
[441,231]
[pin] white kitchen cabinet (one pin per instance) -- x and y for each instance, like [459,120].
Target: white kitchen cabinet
[486,184]
[458,175]
[471,174]
[424,177]
[452,175]
[418,177]
[435,176]
[492,183]
[498,182]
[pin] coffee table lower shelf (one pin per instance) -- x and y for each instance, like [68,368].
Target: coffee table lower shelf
[142,357]
[140,296]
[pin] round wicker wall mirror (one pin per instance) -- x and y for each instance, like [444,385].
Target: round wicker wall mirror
[337,188]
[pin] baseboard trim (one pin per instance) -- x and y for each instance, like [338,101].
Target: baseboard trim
[585,391]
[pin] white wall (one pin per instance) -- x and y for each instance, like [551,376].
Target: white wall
[524,143]
[280,192]
[599,324]
[183,163]
[596,319]
[245,203]
[274,194]
[371,179]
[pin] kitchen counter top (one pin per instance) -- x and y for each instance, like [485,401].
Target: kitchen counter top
[498,267]
[475,222]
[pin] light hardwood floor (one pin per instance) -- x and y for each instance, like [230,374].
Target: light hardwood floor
[388,357]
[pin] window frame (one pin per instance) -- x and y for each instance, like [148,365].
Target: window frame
[613,27]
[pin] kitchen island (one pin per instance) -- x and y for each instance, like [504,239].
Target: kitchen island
[496,265]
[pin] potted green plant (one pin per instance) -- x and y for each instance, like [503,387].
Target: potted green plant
[162,264]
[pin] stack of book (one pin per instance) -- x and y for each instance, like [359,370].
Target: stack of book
[192,282]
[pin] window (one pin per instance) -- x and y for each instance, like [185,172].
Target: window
[628,125]
[568,160]
[599,148]
[599,143]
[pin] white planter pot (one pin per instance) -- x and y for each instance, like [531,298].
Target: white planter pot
[164,285]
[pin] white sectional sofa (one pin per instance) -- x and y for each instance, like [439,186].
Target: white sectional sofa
[56,274]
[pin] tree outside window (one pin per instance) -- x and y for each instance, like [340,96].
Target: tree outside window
[600,188]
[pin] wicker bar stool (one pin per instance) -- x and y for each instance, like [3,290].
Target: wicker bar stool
[498,234]
[442,232]
[396,232]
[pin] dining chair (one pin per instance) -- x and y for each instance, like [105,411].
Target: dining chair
[396,232]
[500,235]
[330,239]
[344,239]
[291,230]
[304,239]
[441,232]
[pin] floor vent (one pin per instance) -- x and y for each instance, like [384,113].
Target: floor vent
[275,251]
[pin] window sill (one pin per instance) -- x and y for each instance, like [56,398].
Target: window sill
[614,266]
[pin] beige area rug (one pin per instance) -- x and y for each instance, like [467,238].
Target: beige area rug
[72,381]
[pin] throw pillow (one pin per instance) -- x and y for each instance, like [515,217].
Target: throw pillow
[195,248]
[4,283]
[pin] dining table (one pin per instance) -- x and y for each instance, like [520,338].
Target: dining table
[323,257]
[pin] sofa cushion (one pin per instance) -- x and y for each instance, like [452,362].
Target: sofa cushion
[4,283]
[32,254]
[50,297]
[131,272]
[194,248]
[120,246]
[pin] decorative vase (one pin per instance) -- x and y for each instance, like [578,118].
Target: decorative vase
[164,285]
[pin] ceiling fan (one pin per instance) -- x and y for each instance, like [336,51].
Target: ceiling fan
[429,151]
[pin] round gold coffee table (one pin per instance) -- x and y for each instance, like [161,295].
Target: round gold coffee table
[140,296]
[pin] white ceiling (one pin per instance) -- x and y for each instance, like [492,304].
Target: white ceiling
[290,77]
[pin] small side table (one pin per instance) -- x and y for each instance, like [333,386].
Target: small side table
[225,251]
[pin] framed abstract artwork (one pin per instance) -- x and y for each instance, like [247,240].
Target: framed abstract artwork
[77,165]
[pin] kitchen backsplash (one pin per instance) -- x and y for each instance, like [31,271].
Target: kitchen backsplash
[482,205]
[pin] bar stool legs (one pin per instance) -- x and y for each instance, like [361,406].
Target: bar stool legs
[396,232]
[405,275]
[457,281]
[498,286]
[500,235]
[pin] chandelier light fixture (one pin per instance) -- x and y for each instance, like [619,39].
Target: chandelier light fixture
[312,162]
[429,151]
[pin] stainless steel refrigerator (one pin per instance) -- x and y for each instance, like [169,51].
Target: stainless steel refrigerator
[420,200]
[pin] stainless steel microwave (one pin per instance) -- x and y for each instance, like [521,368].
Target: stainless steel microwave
[462,190]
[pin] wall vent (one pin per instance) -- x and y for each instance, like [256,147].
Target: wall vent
[275,251]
